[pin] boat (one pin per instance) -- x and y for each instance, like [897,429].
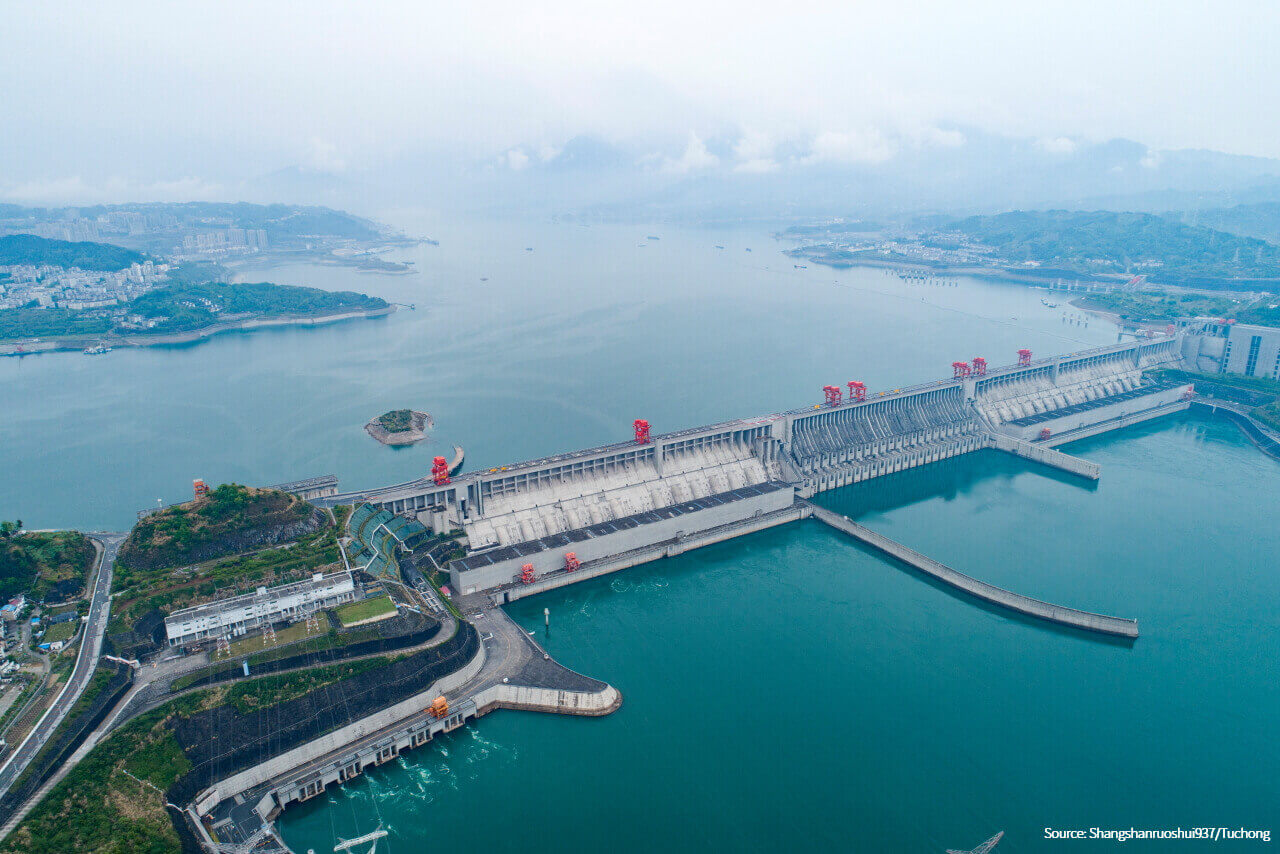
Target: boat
[653,237]
[800,266]
[718,246]
[96,350]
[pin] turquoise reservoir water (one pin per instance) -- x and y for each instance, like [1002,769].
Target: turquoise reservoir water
[793,691]
[784,691]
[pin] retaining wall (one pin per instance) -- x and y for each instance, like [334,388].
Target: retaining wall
[1047,456]
[652,552]
[1120,626]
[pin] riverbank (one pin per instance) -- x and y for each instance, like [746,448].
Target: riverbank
[24,347]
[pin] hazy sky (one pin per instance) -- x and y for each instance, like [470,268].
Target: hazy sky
[176,99]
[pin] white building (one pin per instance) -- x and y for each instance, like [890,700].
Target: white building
[239,614]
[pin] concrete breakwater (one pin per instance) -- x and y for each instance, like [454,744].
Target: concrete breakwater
[1257,432]
[1119,626]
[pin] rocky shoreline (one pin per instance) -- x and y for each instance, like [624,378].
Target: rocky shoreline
[419,422]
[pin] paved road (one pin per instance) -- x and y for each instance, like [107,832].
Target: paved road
[86,660]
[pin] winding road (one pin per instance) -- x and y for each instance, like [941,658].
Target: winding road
[86,660]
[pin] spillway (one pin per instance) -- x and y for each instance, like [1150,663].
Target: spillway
[660,494]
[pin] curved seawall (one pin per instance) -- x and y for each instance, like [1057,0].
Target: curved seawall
[1121,626]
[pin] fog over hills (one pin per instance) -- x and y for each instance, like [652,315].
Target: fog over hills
[957,171]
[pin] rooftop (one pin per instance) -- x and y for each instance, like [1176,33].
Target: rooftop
[578,535]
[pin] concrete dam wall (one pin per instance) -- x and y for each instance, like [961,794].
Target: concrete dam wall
[629,498]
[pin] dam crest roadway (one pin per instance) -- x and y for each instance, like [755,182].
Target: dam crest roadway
[545,523]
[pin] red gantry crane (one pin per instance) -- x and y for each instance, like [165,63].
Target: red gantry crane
[440,471]
[642,431]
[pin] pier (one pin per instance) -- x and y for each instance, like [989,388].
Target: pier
[1063,616]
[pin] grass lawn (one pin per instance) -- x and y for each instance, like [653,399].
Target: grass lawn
[365,609]
[60,631]
[255,643]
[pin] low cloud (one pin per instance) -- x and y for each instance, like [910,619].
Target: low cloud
[857,146]
[695,157]
[322,156]
[74,190]
[754,152]
[1057,145]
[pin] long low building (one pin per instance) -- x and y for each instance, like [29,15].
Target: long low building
[240,614]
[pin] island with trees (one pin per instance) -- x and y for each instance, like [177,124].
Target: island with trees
[399,427]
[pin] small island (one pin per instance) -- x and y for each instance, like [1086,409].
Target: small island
[399,427]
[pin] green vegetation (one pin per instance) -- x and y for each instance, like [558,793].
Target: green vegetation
[365,609]
[183,534]
[51,322]
[183,306]
[437,580]
[165,584]
[1161,305]
[98,807]
[1258,220]
[253,694]
[29,249]
[1092,242]
[43,564]
[60,631]
[1268,413]
[98,683]
[284,637]
[397,420]
[332,639]
[1259,384]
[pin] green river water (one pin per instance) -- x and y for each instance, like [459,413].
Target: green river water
[789,690]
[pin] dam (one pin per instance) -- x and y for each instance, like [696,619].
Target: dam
[534,526]
[540,524]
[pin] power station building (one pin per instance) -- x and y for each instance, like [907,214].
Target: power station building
[602,508]
[240,614]
[1226,347]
